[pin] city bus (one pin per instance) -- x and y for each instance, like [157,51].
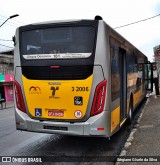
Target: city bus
[76,77]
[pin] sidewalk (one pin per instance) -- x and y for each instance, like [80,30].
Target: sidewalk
[7,105]
[145,137]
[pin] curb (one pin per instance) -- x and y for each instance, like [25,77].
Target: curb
[128,142]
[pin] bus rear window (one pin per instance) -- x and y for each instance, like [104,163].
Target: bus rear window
[58,42]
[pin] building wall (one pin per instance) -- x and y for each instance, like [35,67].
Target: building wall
[6,75]
[6,64]
[156,50]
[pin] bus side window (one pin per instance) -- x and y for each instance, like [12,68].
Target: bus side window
[115,77]
[131,63]
[132,69]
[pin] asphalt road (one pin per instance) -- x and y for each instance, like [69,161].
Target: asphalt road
[17,143]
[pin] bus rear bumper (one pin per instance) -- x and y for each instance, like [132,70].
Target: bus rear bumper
[94,126]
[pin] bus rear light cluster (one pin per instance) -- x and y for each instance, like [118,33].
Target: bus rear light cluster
[19,97]
[99,98]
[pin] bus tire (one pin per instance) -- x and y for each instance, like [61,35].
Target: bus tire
[130,113]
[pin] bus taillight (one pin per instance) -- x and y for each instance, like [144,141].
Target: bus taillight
[99,98]
[19,97]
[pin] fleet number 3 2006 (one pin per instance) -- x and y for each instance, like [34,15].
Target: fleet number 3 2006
[80,89]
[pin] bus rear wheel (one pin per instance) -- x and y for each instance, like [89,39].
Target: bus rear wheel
[130,113]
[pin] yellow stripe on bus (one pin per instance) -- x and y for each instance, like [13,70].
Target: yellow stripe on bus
[115,118]
[123,121]
[137,97]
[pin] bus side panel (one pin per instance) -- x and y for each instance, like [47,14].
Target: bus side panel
[102,57]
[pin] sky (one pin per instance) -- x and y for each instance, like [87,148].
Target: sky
[144,35]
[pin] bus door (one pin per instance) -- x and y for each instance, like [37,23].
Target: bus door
[123,83]
[148,77]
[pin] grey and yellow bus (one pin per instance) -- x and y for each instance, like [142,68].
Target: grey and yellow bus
[76,77]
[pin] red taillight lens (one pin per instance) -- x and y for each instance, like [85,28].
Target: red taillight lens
[19,97]
[99,98]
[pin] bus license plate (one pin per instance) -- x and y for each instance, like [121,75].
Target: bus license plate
[56,113]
